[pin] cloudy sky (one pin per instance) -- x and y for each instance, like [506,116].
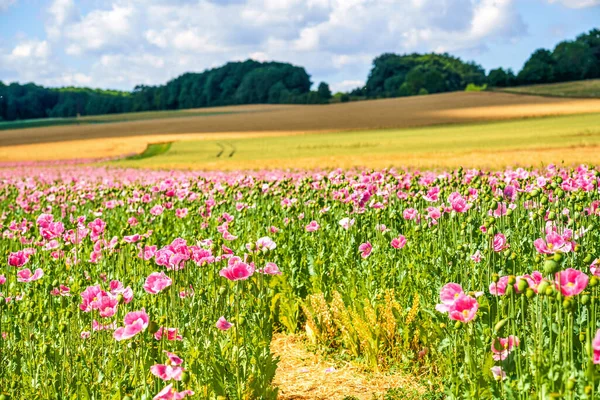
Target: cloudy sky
[121,43]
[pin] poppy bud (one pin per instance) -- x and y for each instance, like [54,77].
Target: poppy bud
[185,377]
[588,258]
[538,258]
[522,285]
[567,303]
[570,384]
[582,336]
[529,293]
[549,290]
[495,278]
[512,280]
[585,299]
[558,257]
[593,281]
[29,317]
[551,267]
[457,325]
[152,327]
[500,324]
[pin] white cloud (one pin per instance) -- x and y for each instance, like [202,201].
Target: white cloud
[101,29]
[127,42]
[577,3]
[29,59]
[31,49]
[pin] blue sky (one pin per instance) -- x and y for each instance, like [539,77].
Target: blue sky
[120,43]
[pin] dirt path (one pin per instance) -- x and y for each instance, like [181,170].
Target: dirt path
[303,375]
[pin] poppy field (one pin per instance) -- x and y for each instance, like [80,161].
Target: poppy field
[121,283]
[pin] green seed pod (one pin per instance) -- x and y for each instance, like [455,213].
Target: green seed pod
[500,324]
[567,303]
[551,216]
[538,258]
[558,257]
[457,325]
[4,397]
[62,328]
[152,327]
[510,289]
[582,336]
[529,293]
[522,285]
[185,377]
[593,281]
[512,280]
[549,290]
[551,267]
[495,278]
[29,317]
[570,384]
[588,258]
[585,299]
[544,200]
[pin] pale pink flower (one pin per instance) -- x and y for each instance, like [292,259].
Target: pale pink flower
[25,275]
[265,244]
[181,212]
[502,347]
[534,280]
[365,249]
[346,223]
[169,371]
[131,238]
[410,214]
[312,226]
[571,282]
[135,322]
[398,242]
[499,288]
[595,267]
[499,242]
[477,256]
[223,325]
[168,393]
[554,243]
[498,373]
[271,269]
[156,282]
[228,236]
[2,279]
[458,203]
[85,334]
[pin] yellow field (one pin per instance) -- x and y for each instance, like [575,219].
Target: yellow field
[379,133]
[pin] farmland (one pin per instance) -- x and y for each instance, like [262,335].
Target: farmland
[580,89]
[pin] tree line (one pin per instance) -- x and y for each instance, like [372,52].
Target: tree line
[252,82]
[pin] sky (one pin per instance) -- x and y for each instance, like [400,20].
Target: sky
[118,44]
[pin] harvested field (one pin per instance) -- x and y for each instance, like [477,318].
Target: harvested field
[447,108]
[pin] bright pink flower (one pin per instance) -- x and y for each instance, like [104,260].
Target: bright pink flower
[228,236]
[448,295]
[135,322]
[365,249]
[464,308]
[147,253]
[18,259]
[398,242]
[156,282]
[554,243]
[132,238]
[170,370]
[571,282]
[168,393]
[89,296]
[596,347]
[271,269]
[499,288]
[223,325]
[534,280]
[106,304]
[171,334]
[499,242]
[181,212]
[2,279]
[25,275]
[432,194]
[236,270]
[503,346]
[458,203]
[157,210]
[313,226]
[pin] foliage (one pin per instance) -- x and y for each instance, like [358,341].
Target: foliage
[471,87]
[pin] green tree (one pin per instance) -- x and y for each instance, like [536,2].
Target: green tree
[539,68]
[324,92]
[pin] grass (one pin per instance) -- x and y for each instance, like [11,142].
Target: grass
[447,108]
[582,89]
[572,139]
[152,150]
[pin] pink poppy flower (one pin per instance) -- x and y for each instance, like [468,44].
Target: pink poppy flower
[168,393]
[477,256]
[25,275]
[498,373]
[18,259]
[157,210]
[156,282]
[571,282]
[132,221]
[458,203]
[85,334]
[398,242]
[181,212]
[271,269]
[554,243]
[464,308]
[499,288]
[312,226]
[346,223]
[265,244]
[171,334]
[135,322]
[89,297]
[131,238]
[499,242]
[223,325]
[106,304]
[596,347]
[502,347]
[147,253]
[595,267]
[169,371]
[228,236]
[448,295]
[365,249]
[2,279]
[410,214]
[236,270]
[534,280]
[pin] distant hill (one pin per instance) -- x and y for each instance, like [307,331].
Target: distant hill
[584,89]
